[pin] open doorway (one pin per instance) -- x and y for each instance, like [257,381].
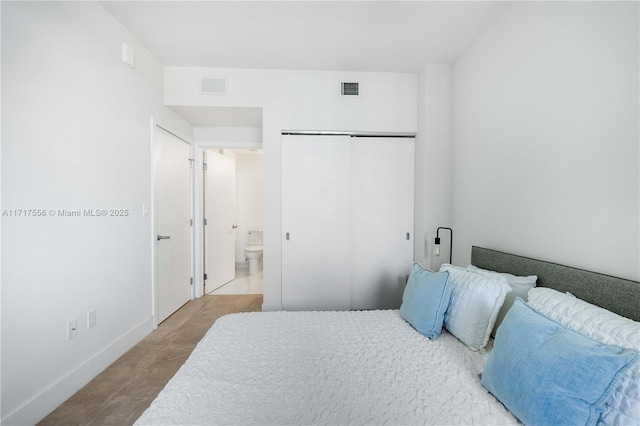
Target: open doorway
[236,131]
[232,211]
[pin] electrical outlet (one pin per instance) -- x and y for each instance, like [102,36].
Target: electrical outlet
[72,329]
[91,319]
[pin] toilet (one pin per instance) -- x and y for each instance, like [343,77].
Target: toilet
[254,251]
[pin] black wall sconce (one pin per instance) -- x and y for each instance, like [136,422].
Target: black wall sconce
[437,243]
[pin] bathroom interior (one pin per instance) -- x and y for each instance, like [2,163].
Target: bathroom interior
[248,221]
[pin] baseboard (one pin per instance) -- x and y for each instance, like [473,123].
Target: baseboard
[56,393]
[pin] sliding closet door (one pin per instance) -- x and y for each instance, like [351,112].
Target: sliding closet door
[316,249]
[382,182]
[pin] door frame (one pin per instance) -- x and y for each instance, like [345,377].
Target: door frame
[153,210]
[198,214]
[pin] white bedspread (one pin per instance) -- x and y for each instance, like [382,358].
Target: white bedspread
[362,367]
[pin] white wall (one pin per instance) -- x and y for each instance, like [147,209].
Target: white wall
[303,100]
[76,136]
[434,163]
[249,199]
[228,136]
[546,142]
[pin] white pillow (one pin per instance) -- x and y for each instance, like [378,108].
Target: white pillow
[474,305]
[590,320]
[520,286]
[599,324]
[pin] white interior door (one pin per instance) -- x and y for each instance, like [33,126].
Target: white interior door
[173,228]
[220,213]
[382,182]
[315,222]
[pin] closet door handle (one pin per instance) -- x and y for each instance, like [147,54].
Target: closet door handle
[163,237]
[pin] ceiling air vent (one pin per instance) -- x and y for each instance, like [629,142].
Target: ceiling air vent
[213,86]
[350,88]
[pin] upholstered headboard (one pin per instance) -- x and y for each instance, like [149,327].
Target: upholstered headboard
[615,294]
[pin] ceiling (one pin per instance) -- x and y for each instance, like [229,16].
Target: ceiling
[390,36]
[378,36]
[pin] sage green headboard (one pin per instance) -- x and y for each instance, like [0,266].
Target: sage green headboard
[615,294]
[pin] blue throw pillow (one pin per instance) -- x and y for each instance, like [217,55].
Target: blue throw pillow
[425,300]
[548,375]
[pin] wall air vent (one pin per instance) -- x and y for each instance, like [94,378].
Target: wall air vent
[350,88]
[213,86]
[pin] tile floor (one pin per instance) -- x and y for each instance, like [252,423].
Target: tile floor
[120,394]
[243,284]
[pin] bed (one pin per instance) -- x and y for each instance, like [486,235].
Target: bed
[440,367]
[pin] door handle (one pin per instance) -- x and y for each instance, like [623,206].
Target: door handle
[163,237]
[234,226]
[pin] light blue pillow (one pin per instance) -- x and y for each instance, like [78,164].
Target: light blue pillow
[425,300]
[546,374]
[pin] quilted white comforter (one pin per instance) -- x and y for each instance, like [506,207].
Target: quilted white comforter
[362,367]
